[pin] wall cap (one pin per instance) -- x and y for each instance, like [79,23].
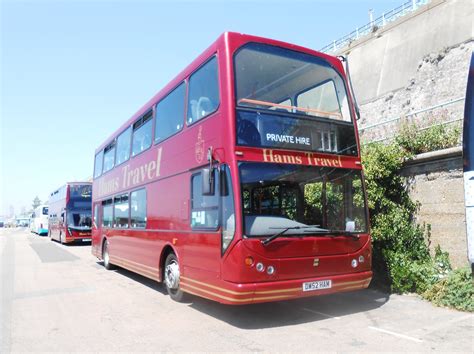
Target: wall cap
[435,155]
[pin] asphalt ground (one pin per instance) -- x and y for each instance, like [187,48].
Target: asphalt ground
[59,298]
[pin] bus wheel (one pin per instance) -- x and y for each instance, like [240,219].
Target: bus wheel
[106,256]
[171,278]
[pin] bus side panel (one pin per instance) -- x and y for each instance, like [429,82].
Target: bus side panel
[169,211]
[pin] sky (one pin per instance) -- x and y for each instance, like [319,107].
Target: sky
[73,71]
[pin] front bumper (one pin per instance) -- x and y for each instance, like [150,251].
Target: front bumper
[239,294]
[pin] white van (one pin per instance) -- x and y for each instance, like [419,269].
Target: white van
[39,220]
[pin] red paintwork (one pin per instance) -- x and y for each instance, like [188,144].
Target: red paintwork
[165,170]
[57,228]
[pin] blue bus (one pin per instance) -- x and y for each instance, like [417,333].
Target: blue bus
[468,162]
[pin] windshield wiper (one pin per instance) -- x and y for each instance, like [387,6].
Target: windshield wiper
[285,229]
[335,233]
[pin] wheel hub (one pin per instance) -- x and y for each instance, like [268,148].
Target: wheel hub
[172,275]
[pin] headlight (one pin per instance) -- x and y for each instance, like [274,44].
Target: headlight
[260,267]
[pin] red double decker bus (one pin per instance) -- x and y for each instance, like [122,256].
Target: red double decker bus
[240,181]
[70,212]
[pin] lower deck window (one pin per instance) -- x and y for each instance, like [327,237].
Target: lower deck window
[204,213]
[121,211]
[107,215]
[138,208]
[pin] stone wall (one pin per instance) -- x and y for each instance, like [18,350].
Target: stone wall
[415,70]
[436,181]
[387,59]
[416,62]
[439,80]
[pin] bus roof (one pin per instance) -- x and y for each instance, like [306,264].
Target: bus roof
[221,43]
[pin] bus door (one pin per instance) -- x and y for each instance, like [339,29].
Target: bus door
[212,222]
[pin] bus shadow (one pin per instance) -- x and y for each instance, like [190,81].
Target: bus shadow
[292,312]
[79,244]
[152,284]
[276,314]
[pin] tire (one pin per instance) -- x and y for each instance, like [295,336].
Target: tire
[106,256]
[61,237]
[171,275]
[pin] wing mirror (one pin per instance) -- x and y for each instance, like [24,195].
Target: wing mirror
[208,183]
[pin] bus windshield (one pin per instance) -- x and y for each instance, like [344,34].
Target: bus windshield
[80,196]
[79,192]
[281,94]
[79,219]
[303,199]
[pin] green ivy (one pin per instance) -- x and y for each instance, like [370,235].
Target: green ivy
[401,257]
[417,140]
[456,290]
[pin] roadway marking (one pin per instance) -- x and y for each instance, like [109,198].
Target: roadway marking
[49,292]
[437,327]
[320,313]
[396,334]
[7,271]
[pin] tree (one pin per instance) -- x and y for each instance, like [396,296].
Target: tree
[36,202]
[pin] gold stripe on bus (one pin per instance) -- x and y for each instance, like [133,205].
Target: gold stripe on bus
[218,288]
[138,264]
[234,300]
[138,271]
[359,282]
[134,268]
[350,282]
[277,291]
[352,288]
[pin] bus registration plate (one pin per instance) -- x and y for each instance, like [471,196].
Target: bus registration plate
[317,285]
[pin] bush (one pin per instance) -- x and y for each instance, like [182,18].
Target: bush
[416,140]
[401,257]
[456,290]
[401,254]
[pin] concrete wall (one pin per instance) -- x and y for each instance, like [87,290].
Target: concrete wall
[436,181]
[419,61]
[388,59]
[415,62]
[439,78]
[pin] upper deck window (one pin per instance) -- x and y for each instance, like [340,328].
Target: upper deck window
[98,164]
[109,156]
[203,98]
[123,146]
[269,77]
[142,132]
[170,114]
[291,100]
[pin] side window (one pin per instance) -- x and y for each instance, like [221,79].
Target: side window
[170,114]
[138,208]
[96,216]
[107,213]
[98,164]
[142,134]
[123,146]
[109,156]
[203,97]
[321,99]
[204,208]
[228,211]
[121,211]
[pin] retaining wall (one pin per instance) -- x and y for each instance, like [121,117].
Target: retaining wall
[436,181]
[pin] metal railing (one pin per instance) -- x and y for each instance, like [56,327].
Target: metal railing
[374,25]
[398,120]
